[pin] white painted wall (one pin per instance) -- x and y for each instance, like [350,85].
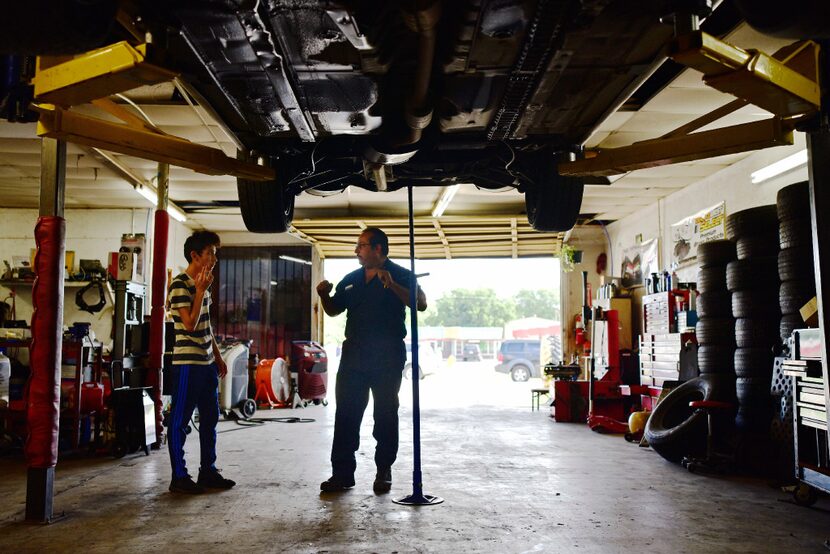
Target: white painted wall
[731,185]
[91,234]
[591,241]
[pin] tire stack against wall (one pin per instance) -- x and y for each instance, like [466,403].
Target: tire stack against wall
[795,260]
[753,281]
[715,329]
[797,275]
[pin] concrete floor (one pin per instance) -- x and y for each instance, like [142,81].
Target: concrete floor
[512,479]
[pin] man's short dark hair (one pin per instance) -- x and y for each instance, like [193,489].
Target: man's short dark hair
[198,241]
[378,237]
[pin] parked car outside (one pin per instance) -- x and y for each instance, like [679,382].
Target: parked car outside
[471,353]
[429,360]
[520,358]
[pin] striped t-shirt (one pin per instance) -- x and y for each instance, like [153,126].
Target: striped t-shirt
[191,347]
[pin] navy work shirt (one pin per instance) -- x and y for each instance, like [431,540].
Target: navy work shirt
[375,319]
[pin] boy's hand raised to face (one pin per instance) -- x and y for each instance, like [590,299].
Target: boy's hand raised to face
[204,279]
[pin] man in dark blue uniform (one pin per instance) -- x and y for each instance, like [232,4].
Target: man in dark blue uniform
[375,299]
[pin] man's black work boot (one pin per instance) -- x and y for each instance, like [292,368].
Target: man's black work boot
[383,480]
[337,484]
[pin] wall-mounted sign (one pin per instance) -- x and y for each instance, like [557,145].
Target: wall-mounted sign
[704,226]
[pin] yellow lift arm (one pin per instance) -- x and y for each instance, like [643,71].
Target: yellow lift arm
[785,84]
[61,82]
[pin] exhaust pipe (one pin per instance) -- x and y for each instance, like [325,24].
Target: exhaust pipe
[395,143]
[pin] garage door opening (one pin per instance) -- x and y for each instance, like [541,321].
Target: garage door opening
[490,328]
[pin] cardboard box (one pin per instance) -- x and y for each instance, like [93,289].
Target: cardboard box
[809,312]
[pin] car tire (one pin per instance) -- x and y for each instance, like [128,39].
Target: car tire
[753,362]
[789,323]
[794,294]
[757,246]
[795,263]
[714,304]
[754,221]
[713,358]
[674,430]
[758,273]
[552,200]
[716,331]
[520,373]
[761,333]
[758,303]
[793,201]
[267,206]
[711,279]
[716,253]
[793,233]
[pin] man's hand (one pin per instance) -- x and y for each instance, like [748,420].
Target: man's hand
[385,278]
[204,279]
[324,288]
[221,368]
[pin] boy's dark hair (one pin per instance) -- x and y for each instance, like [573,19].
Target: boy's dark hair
[198,241]
[378,237]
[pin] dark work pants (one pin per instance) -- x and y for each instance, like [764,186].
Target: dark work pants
[352,396]
[194,386]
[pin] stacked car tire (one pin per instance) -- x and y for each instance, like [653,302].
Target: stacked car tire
[753,281]
[797,275]
[795,260]
[715,327]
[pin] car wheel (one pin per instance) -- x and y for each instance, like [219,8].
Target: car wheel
[520,373]
[267,206]
[552,201]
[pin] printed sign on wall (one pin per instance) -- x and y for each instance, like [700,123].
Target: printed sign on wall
[639,261]
[704,226]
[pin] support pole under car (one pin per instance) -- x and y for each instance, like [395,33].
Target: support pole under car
[417,498]
[43,388]
[158,294]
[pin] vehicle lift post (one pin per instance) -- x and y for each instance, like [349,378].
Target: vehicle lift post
[417,498]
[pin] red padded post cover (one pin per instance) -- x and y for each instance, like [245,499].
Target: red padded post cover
[43,388]
[158,298]
[159,288]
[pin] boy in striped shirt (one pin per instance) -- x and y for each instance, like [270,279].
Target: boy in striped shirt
[197,366]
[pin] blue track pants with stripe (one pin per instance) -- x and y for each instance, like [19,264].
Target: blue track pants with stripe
[194,386]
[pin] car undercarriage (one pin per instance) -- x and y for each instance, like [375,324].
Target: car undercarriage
[383,95]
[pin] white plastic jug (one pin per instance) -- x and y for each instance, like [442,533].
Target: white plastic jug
[5,375]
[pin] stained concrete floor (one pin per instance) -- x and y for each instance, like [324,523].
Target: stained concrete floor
[512,479]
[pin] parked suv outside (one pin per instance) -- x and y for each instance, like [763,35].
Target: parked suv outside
[471,353]
[520,358]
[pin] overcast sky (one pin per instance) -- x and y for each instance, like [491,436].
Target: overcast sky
[505,276]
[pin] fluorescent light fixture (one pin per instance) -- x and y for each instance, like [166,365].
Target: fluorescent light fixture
[444,201]
[782,166]
[176,214]
[151,195]
[295,260]
[148,193]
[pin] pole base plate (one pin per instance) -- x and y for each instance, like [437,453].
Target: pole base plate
[419,500]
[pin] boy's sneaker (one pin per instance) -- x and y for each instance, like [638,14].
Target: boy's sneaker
[212,479]
[185,485]
[336,484]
